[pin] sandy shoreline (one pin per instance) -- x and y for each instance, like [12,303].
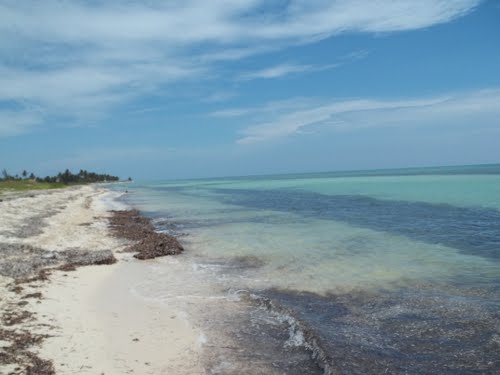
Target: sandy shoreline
[89,319]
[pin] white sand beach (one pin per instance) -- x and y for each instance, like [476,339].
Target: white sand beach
[95,324]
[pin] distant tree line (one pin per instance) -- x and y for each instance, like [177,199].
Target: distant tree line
[66,177]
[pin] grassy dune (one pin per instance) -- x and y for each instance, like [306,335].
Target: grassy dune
[24,185]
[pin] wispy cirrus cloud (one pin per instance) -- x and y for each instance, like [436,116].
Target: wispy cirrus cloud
[474,108]
[222,21]
[267,109]
[220,96]
[79,58]
[284,70]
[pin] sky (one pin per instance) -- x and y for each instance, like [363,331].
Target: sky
[195,88]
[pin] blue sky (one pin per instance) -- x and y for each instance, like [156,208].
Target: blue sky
[195,88]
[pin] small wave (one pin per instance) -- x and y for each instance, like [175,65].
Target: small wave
[300,333]
[110,201]
[167,226]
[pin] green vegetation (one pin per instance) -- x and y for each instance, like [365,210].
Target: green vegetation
[83,177]
[28,181]
[22,185]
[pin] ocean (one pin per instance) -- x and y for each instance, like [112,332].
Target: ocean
[389,271]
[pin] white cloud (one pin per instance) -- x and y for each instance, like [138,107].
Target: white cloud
[234,112]
[283,70]
[81,57]
[362,113]
[221,21]
[219,96]
[271,108]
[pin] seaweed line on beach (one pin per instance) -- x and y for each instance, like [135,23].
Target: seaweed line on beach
[17,339]
[23,262]
[19,355]
[17,342]
[147,242]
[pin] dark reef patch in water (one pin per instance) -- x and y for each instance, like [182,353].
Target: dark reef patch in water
[247,262]
[242,339]
[473,231]
[241,266]
[225,217]
[420,330]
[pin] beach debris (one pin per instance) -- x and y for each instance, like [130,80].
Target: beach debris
[13,317]
[16,352]
[39,366]
[148,243]
[67,267]
[156,245]
[130,224]
[49,255]
[33,225]
[20,261]
[17,289]
[76,257]
[37,295]
[27,265]
[42,275]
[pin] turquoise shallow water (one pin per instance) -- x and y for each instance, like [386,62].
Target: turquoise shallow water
[317,234]
[399,237]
